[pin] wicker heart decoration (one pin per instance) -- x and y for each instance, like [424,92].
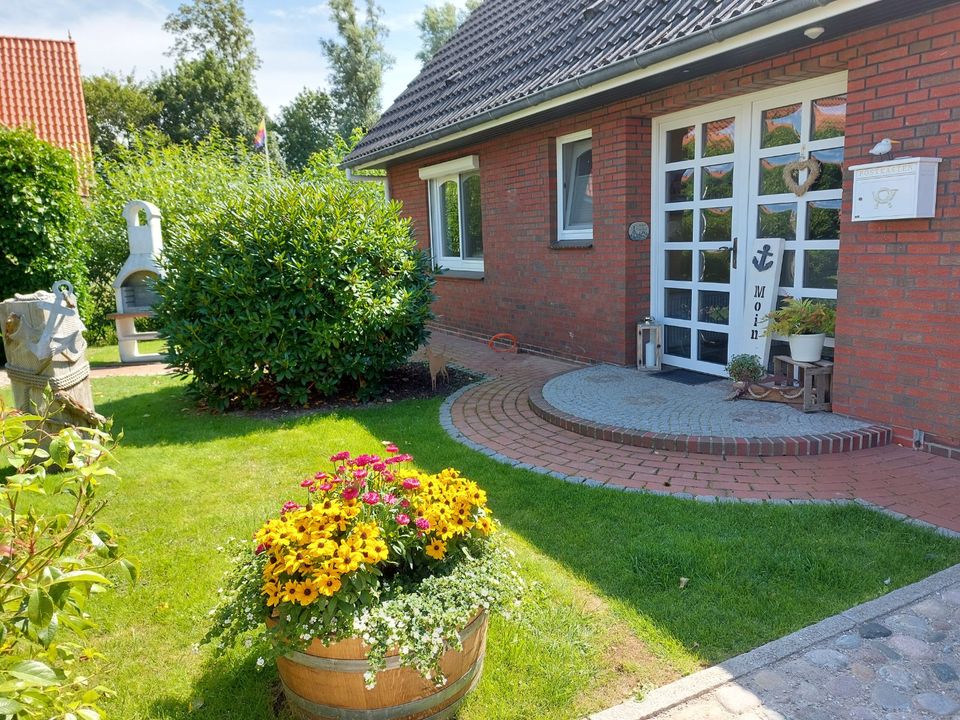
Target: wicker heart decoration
[811,165]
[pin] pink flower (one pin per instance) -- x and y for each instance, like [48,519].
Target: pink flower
[320,476]
[340,456]
[359,474]
[307,483]
[387,476]
[404,503]
[403,458]
[390,499]
[371,498]
[390,447]
[422,523]
[379,466]
[341,469]
[351,492]
[289,506]
[411,484]
[325,487]
[364,460]
[261,548]
[402,519]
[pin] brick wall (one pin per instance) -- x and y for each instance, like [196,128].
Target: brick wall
[898,333]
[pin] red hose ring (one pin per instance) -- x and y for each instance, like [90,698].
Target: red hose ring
[512,348]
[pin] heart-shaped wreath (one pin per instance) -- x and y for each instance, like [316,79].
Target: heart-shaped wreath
[811,165]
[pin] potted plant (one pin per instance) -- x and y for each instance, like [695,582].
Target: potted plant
[373,594]
[805,323]
[744,370]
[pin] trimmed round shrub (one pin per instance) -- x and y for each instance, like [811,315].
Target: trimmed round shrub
[302,289]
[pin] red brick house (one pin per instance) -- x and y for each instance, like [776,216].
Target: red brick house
[41,86]
[528,146]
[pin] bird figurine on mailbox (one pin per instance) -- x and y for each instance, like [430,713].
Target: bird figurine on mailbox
[884,147]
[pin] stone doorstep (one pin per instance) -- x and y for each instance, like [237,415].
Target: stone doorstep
[700,683]
[821,444]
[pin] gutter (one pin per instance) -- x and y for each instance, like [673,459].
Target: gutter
[710,36]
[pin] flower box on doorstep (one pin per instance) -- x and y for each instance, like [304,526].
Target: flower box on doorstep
[374,592]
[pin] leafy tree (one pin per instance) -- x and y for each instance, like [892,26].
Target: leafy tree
[438,24]
[39,216]
[116,106]
[199,95]
[219,27]
[306,125]
[212,82]
[357,61]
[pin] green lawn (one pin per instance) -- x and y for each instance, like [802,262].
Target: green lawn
[110,354]
[606,615]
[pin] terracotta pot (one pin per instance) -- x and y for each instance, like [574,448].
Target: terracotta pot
[806,348]
[326,682]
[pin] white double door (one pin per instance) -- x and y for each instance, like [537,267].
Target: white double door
[718,180]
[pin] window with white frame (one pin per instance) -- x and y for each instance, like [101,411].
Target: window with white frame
[456,221]
[575,186]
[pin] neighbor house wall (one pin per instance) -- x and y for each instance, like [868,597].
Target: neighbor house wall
[898,333]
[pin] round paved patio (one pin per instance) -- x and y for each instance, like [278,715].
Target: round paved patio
[653,410]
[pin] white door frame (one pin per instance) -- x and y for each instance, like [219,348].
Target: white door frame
[746,110]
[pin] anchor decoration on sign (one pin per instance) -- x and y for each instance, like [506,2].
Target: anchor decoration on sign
[763,261]
[63,332]
[884,196]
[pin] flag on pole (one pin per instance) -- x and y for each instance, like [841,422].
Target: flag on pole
[260,139]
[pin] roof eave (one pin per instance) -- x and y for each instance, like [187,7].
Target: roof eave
[697,41]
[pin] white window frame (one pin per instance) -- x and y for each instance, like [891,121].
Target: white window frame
[436,176]
[562,232]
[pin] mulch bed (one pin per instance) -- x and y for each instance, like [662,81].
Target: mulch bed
[407,382]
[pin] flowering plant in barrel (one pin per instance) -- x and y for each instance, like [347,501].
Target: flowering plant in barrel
[378,553]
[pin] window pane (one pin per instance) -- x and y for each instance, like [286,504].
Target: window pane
[712,347]
[777,221]
[681,144]
[715,266]
[677,303]
[680,185]
[829,117]
[781,126]
[472,220]
[717,182]
[831,169]
[786,269]
[680,226]
[714,307]
[823,220]
[449,219]
[676,341]
[715,224]
[578,176]
[680,265]
[718,137]
[771,173]
[820,269]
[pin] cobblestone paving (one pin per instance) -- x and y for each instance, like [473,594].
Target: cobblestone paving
[613,395]
[901,664]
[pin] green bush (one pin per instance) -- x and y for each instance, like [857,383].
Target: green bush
[40,212]
[295,290]
[184,181]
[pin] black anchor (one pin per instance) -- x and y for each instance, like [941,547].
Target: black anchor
[761,262]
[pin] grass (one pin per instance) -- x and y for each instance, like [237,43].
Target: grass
[606,614]
[110,354]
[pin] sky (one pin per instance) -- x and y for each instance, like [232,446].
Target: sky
[126,36]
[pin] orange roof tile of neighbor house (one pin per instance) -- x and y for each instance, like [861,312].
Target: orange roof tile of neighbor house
[40,86]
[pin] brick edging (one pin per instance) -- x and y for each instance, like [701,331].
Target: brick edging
[819,444]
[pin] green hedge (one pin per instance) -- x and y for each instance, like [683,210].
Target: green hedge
[302,288]
[40,212]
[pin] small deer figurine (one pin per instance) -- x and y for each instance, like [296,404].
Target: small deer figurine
[438,364]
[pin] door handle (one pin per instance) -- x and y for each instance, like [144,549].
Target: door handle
[733,253]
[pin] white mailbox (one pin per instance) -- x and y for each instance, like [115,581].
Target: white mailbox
[895,189]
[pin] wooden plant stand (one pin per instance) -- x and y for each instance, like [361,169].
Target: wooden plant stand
[813,378]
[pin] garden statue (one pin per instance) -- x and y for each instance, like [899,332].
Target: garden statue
[45,348]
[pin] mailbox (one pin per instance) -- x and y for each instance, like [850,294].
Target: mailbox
[895,189]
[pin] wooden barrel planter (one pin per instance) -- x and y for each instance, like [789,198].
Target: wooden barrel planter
[326,682]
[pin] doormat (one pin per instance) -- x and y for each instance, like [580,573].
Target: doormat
[688,377]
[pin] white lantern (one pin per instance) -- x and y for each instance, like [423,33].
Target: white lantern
[649,345]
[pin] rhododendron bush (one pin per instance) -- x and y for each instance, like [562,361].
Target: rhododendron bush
[373,549]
